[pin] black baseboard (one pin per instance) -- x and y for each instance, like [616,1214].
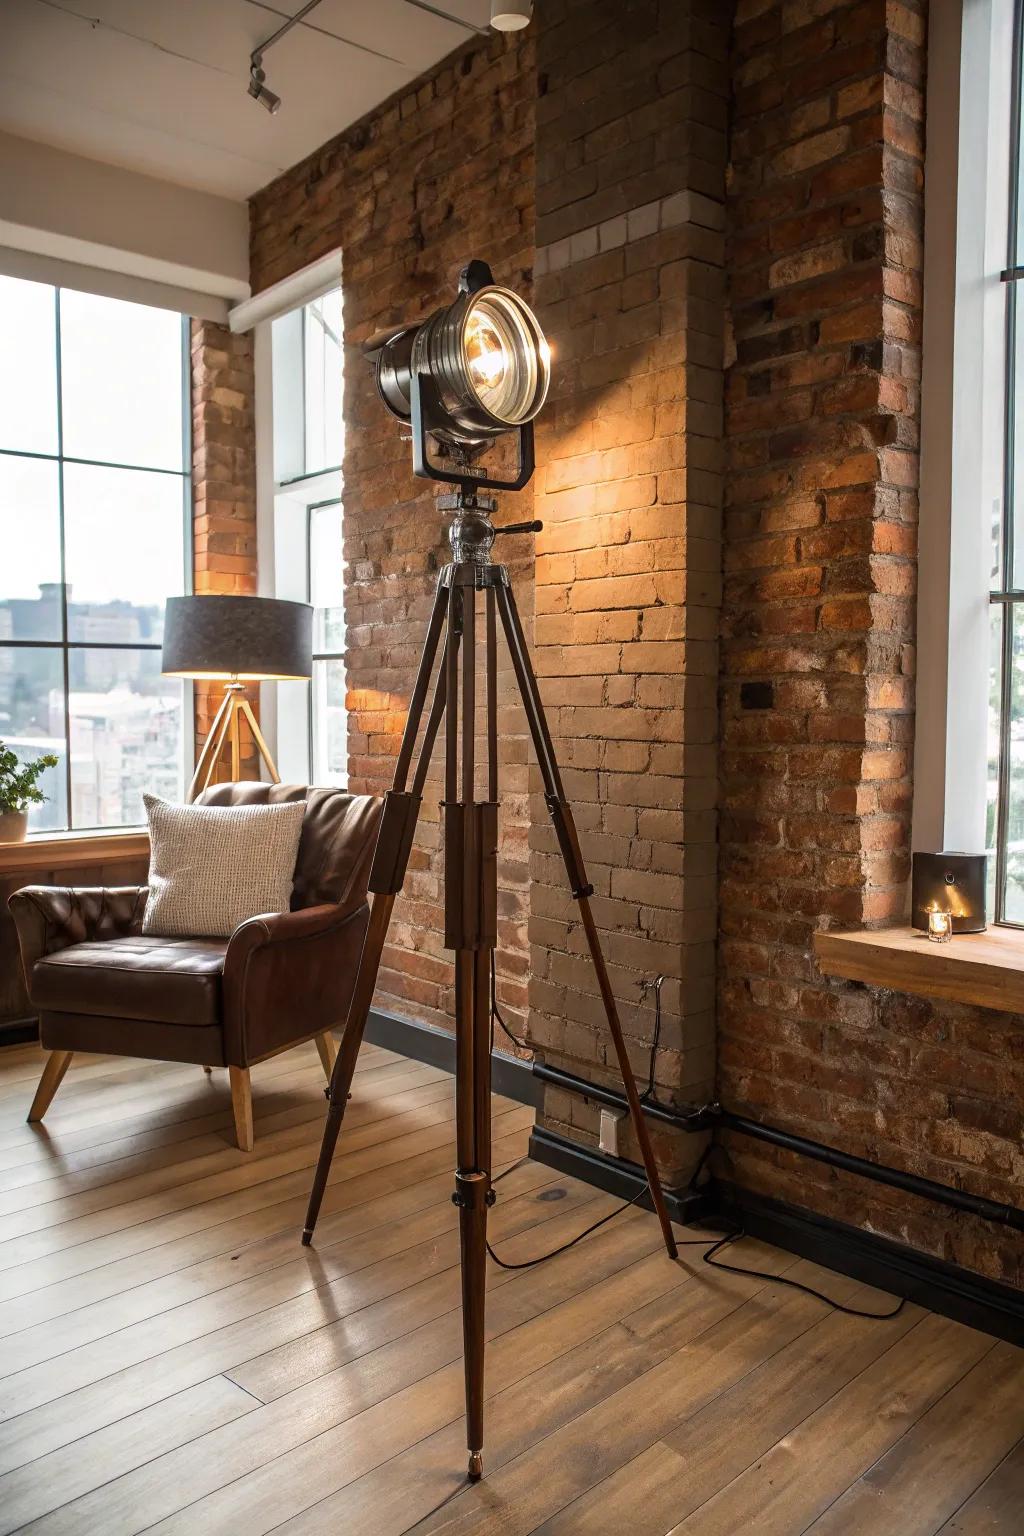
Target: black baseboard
[510,1077]
[612,1174]
[929,1282]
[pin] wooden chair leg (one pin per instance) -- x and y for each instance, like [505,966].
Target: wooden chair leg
[57,1064]
[327,1046]
[241,1104]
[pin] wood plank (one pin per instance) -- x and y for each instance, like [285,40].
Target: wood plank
[541,1473]
[65,1416]
[168,1120]
[799,1477]
[713,1446]
[277,1220]
[938,1463]
[155,1091]
[399,1412]
[86,1321]
[363,1166]
[27,1236]
[177,1363]
[38,1183]
[162,1484]
[389,1470]
[995,1509]
[342,1247]
[984,968]
[68,1474]
[312,1271]
[565,1369]
[64,1195]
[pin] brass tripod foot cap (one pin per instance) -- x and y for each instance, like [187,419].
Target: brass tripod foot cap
[476,1466]
[307,1236]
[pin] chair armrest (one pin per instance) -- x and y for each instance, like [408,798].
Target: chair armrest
[287,976]
[52,917]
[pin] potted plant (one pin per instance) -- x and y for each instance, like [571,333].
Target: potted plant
[19,790]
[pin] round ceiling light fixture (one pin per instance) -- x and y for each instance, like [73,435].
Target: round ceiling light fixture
[510,15]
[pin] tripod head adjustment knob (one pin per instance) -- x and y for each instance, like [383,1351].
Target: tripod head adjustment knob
[533,527]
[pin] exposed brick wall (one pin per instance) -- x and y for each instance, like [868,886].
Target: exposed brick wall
[818,632]
[631,145]
[604,158]
[223,489]
[439,174]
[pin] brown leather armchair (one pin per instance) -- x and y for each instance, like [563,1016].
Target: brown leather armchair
[101,986]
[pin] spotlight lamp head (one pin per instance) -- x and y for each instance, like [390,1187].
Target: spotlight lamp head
[258,89]
[467,375]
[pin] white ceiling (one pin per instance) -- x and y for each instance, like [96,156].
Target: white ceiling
[159,86]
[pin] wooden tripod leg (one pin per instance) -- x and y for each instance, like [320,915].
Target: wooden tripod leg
[235,735]
[386,878]
[473,1179]
[345,1063]
[56,1065]
[328,1050]
[260,740]
[568,842]
[211,749]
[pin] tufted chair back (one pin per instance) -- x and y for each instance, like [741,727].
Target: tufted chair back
[337,841]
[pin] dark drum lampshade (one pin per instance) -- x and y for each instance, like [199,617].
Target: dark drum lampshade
[249,638]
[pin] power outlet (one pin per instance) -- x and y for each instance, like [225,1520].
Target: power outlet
[608,1134]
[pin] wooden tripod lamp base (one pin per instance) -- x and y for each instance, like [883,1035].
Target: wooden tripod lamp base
[226,732]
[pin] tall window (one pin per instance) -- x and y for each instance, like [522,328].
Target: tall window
[308,553]
[95,501]
[1006,696]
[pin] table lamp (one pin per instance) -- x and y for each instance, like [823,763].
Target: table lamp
[236,640]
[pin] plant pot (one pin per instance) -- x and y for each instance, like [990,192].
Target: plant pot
[13,826]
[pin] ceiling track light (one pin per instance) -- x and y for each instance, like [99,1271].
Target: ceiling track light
[257,87]
[258,90]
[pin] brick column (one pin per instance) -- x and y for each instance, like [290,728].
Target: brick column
[630,189]
[223,486]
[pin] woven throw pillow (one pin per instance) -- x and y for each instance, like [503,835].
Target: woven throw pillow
[211,867]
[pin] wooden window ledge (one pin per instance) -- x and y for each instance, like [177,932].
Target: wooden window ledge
[986,969]
[68,850]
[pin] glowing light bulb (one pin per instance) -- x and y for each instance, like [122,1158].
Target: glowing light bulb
[485,354]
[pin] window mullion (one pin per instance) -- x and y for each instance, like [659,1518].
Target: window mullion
[64,625]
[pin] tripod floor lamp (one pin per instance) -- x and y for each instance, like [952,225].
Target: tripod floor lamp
[464,377]
[236,640]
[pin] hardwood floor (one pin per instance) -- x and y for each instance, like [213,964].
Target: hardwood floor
[171,1360]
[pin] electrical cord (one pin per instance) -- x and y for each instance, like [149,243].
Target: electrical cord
[496,1017]
[796,1285]
[647,1097]
[712,1246]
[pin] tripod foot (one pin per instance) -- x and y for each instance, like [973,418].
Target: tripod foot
[307,1236]
[476,1466]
